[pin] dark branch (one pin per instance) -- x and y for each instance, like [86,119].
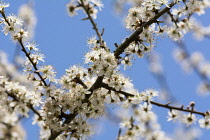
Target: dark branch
[94,24]
[26,53]
[33,64]
[134,36]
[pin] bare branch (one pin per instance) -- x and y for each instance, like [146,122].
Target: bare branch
[101,41]
[157,104]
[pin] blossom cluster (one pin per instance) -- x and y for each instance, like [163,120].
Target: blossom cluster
[16,100]
[140,124]
[72,98]
[189,119]
[17,97]
[144,44]
[12,24]
[102,62]
[177,23]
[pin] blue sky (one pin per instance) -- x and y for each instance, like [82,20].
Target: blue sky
[63,41]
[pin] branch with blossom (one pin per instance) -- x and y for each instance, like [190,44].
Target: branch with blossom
[18,36]
[139,30]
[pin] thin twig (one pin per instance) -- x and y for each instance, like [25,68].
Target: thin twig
[158,104]
[96,85]
[33,64]
[178,108]
[26,53]
[94,24]
[30,106]
[119,133]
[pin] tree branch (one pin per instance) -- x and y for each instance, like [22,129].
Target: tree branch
[178,108]
[33,64]
[157,104]
[106,86]
[97,83]
[70,117]
[30,106]
[94,24]
[26,53]
[133,37]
